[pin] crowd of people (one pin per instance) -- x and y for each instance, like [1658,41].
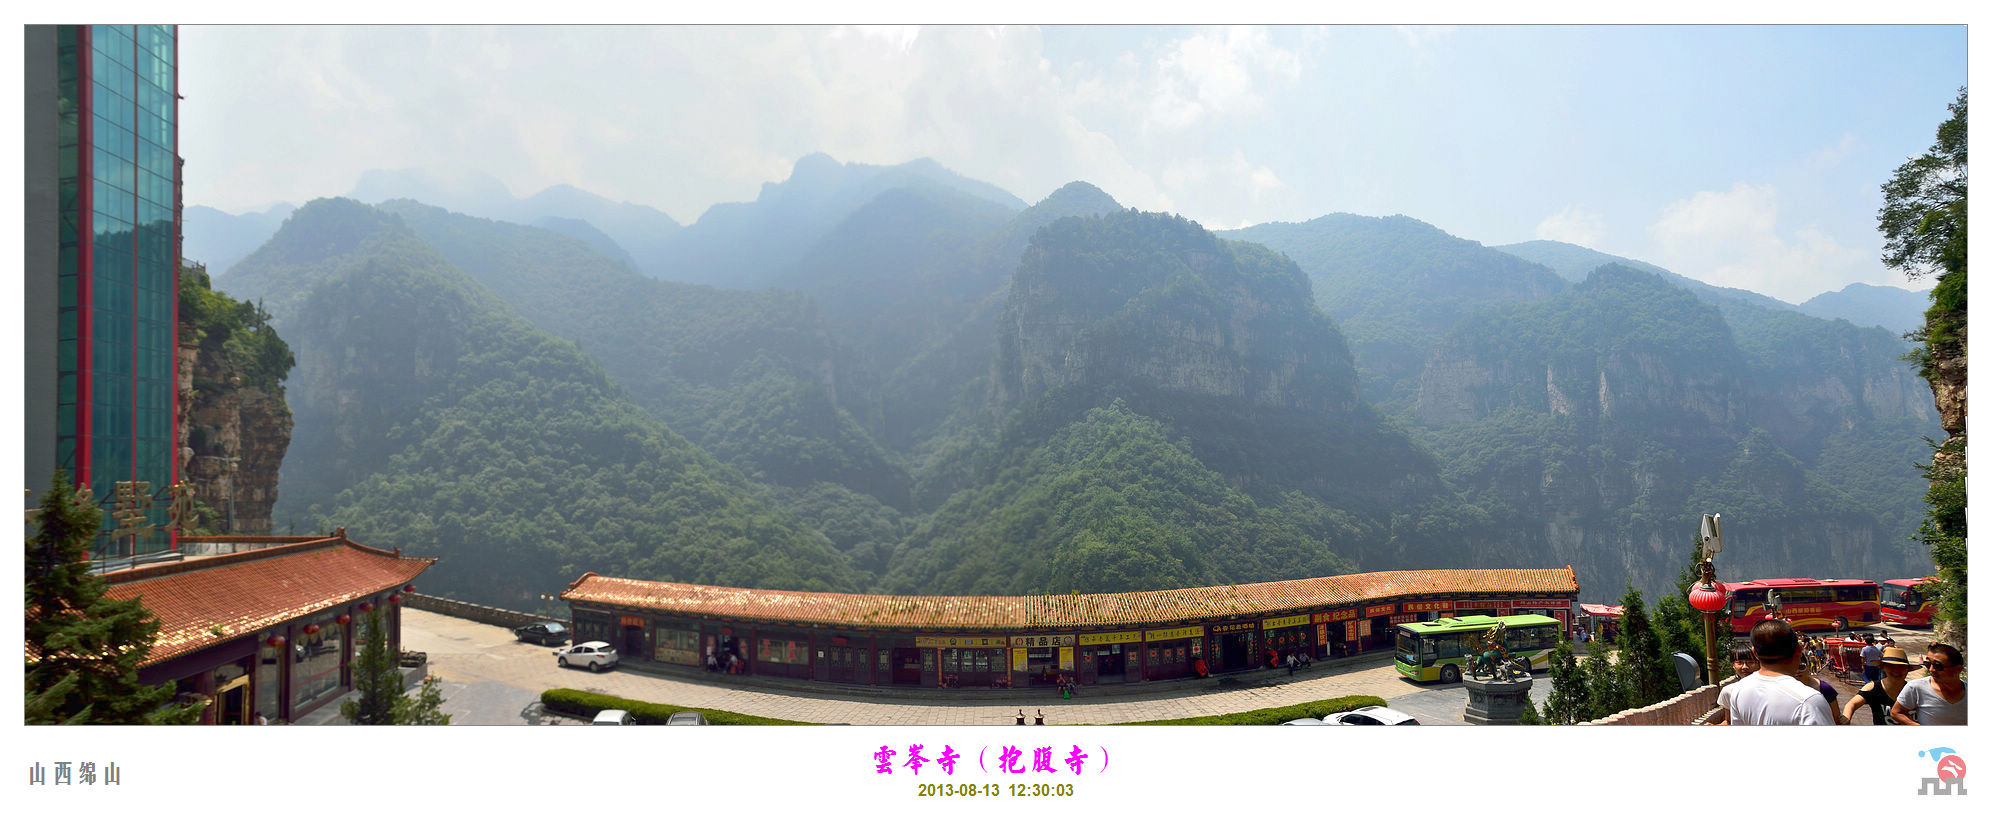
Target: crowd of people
[1780,681]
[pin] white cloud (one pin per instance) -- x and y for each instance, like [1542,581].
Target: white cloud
[1573,225]
[1422,37]
[1834,154]
[1732,238]
[1213,74]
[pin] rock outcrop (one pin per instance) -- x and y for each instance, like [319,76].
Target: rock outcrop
[232,440]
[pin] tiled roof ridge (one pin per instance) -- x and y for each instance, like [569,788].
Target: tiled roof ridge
[126,576]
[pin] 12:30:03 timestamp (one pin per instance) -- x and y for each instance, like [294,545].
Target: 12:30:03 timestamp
[994,790]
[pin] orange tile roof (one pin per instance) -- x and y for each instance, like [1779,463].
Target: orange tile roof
[247,591]
[1037,612]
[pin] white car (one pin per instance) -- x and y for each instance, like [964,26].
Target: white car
[1370,716]
[1304,722]
[596,655]
[613,717]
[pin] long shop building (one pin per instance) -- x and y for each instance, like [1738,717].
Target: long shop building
[266,626]
[1031,641]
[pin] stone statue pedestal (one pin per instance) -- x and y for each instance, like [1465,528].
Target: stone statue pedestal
[1496,702]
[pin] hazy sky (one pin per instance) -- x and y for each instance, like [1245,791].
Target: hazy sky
[1742,156]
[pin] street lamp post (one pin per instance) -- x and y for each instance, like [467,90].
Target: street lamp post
[1710,596]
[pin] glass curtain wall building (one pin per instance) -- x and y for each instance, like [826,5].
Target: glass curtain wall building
[116,269]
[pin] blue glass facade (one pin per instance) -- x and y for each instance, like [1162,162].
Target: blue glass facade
[118,261]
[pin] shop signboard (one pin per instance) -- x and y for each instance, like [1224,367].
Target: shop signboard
[1428,606]
[1176,634]
[959,641]
[1037,641]
[1403,619]
[1379,610]
[1020,660]
[1233,629]
[1102,638]
[1292,620]
[1540,603]
[1332,616]
[1065,658]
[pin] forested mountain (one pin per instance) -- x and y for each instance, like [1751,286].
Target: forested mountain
[918,385]
[1395,284]
[1589,425]
[1898,310]
[744,244]
[431,417]
[755,378]
[217,240]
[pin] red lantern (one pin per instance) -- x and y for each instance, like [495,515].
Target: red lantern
[409,588]
[310,629]
[394,599]
[275,641]
[344,619]
[367,606]
[1709,598]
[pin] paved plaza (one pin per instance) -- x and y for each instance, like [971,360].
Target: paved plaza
[490,678]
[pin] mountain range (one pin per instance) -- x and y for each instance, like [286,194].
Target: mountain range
[892,378]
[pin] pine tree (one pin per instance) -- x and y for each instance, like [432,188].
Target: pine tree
[425,709]
[1569,687]
[376,679]
[1608,694]
[1648,672]
[1529,716]
[83,649]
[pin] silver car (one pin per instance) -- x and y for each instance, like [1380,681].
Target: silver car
[686,719]
[596,655]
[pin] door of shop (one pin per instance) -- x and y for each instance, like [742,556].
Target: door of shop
[233,697]
[906,666]
[970,667]
[632,643]
[843,663]
[1235,651]
[1108,664]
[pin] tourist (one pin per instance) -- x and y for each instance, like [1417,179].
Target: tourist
[1870,659]
[1774,695]
[1808,676]
[1879,696]
[1936,700]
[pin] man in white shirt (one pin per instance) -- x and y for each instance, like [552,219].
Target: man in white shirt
[1936,700]
[1774,696]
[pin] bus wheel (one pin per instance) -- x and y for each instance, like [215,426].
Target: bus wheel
[1840,624]
[1450,674]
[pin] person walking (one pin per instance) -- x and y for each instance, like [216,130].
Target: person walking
[1879,696]
[1774,695]
[1936,700]
[1870,659]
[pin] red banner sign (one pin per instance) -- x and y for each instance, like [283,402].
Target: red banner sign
[1379,609]
[1428,606]
[1540,603]
[1403,619]
[1349,614]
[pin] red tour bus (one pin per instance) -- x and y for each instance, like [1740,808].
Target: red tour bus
[1908,601]
[1807,603]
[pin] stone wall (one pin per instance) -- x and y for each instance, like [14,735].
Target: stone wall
[472,612]
[1690,708]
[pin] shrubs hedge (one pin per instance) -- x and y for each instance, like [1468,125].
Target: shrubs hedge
[584,705]
[1273,716]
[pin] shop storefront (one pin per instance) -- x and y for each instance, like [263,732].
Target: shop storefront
[1170,653]
[1110,657]
[1289,635]
[1237,646]
[1335,631]
[782,655]
[677,643]
[844,659]
[1038,660]
[1378,634]
[966,660]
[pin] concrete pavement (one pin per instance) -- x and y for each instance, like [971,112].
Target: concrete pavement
[490,678]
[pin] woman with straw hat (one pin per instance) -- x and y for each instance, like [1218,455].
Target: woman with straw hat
[1879,695]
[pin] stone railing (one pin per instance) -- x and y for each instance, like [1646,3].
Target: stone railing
[1690,708]
[472,612]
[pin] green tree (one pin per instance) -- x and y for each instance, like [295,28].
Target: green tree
[1569,687]
[376,679]
[1607,693]
[425,709]
[1647,671]
[1529,716]
[1923,215]
[84,648]
[1680,625]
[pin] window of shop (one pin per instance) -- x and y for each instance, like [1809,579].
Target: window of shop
[269,678]
[593,626]
[783,650]
[315,659]
[1041,663]
[679,645]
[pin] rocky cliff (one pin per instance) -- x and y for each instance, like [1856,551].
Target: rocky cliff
[235,425]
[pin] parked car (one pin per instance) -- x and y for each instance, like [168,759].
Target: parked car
[613,717]
[686,719]
[596,655]
[1304,722]
[1370,716]
[549,633]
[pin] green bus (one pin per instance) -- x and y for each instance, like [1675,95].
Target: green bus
[1438,650]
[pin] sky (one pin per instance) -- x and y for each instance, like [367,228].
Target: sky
[1744,156]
